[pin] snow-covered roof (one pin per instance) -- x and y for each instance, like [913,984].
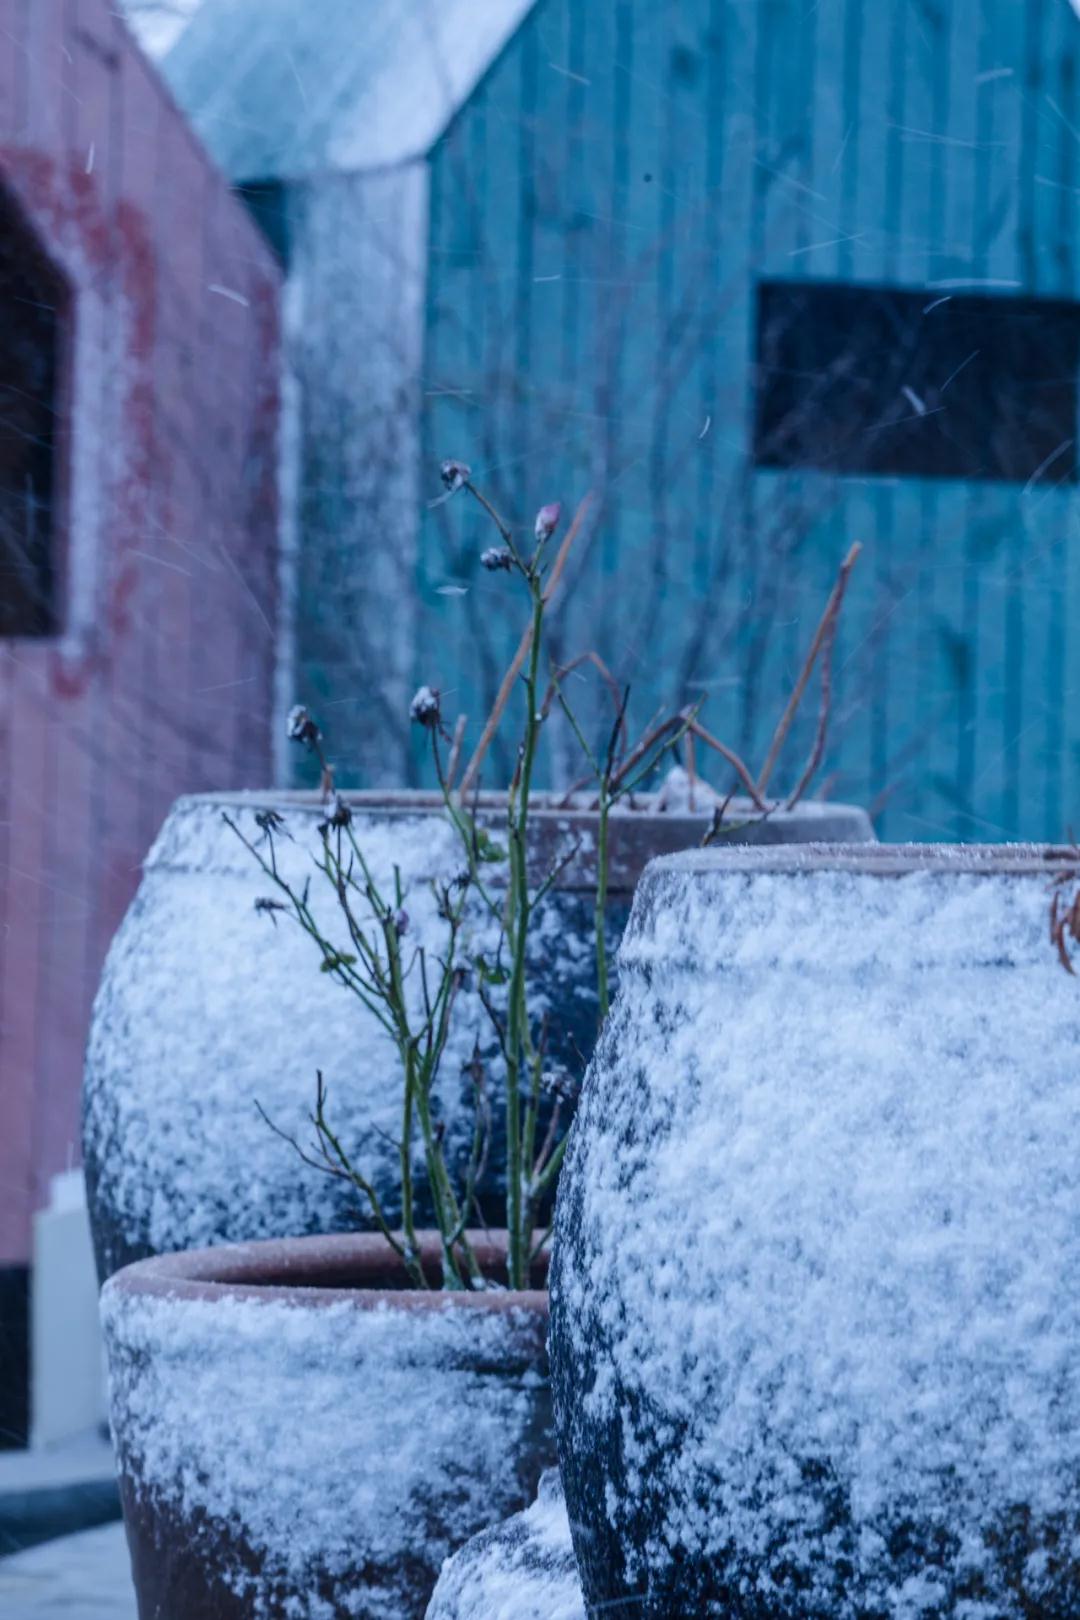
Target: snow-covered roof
[158,24]
[285,88]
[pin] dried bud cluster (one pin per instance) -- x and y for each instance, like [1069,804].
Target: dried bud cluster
[338,813]
[425,708]
[496,558]
[455,474]
[300,727]
[547,521]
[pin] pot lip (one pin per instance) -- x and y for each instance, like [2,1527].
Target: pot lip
[876,860]
[546,806]
[230,1271]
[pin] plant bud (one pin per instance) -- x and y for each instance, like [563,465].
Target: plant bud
[425,708]
[547,521]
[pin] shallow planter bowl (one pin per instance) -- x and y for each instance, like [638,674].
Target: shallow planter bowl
[207,1008]
[300,1435]
[816,1277]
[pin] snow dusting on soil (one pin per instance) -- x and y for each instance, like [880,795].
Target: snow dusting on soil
[816,1288]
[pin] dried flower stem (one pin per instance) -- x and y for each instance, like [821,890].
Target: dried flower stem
[741,771]
[377,975]
[828,619]
[455,750]
[518,660]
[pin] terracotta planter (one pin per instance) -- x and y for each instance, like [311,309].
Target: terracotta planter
[816,1287]
[206,1007]
[300,1435]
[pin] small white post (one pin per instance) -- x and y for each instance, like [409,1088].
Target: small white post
[67,1376]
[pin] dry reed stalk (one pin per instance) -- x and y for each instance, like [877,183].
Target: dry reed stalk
[826,626]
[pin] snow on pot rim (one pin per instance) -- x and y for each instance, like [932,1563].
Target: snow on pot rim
[354,1268]
[639,832]
[816,1281]
[676,902]
[292,1441]
[882,860]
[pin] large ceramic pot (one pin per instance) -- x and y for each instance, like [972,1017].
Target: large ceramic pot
[299,1434]
[816,1286]
[208,1007]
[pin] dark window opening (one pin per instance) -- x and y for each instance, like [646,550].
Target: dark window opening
[33,302]
[268,203]
[928,384]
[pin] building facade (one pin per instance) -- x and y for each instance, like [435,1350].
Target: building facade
[139,384]
[767,276]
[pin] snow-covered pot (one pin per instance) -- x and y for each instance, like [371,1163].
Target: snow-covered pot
[522,1569]
[207,1007]
[816,1280]
[299,1434]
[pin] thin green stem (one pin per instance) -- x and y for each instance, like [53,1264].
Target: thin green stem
[519,911]
[600,908]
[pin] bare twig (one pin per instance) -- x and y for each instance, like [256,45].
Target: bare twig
[828,619]
[691,768]
[455,752]
[654,735]
[591,657]
[734,761]
[824,710]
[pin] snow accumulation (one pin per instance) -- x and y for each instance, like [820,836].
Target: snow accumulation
[327,1440]
[816,1281]
[523,1569]
[207,1008]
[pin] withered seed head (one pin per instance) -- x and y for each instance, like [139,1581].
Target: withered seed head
[300,727]
[425,709]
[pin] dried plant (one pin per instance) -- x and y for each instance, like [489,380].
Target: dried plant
[1065,915]
[412,990]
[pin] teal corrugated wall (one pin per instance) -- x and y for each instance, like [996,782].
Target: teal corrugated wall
[601,211]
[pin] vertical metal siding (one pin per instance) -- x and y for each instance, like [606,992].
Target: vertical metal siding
[681,153]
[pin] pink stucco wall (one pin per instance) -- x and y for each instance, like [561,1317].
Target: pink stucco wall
[160,679]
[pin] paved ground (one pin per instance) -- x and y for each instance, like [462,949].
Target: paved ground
[83,1577]
[57,1490]
[43,1494]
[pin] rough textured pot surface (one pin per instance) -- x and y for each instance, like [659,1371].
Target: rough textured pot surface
[207,1007]
[522,1569]
[816,1286]
[299,1435]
